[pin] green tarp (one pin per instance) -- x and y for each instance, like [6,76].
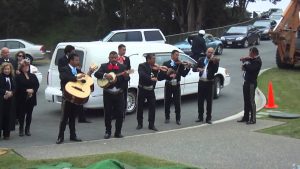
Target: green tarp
[105,164]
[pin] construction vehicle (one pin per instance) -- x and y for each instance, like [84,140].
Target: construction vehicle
[287,37]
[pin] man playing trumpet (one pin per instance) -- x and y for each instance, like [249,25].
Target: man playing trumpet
[207,67]
[172,85]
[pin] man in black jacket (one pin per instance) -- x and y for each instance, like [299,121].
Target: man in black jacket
[147,81]
[172,85]
[122,59]
[251,67]
[62,62]
[113,95]
[198,45]
[67,74]
[5,57]
[207,67]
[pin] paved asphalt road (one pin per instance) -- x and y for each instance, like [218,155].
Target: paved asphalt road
[46,116]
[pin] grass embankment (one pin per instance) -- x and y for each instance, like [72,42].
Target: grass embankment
[286,87]
[13,161]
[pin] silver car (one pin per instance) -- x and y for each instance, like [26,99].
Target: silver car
[33,52]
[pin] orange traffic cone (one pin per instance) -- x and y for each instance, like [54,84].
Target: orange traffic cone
[271,102]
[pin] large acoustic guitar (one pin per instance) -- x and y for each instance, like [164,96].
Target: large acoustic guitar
[105,83]
[78,92]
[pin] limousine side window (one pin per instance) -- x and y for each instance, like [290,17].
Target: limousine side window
[162,57]
[153,36]
[60,53]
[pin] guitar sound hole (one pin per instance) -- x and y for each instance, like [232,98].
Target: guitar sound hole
[77,88]
[83,81]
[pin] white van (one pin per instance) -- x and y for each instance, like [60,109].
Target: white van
[97,53]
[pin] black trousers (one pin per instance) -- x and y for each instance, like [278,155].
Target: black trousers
[69,113]
[25,114]
[6,118]
[249,101]
[172,93]
[125,91]
[150,96]
[205,93]
[113,106]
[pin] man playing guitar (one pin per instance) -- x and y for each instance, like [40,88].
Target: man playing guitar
[113,95]
[67,74]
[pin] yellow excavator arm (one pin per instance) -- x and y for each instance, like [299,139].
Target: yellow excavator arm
[284,34]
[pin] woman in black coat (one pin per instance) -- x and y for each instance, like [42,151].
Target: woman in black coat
[27,86]
[7,91]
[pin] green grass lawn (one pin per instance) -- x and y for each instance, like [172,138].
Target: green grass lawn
[286,87]
[13,161]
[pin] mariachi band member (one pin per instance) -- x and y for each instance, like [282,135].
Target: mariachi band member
[122,59]
[149,74]
[62,62]
[251,67]
[27,86]
[207,67]
[172,85]
[113,95]
[7,92]
[70,73]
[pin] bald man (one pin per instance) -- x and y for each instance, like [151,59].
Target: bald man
[207,67]
[5,57]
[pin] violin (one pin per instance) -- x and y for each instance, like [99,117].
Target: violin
[156,67]
[184,63]
[214,59]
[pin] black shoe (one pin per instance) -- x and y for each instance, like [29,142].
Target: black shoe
[242,121]
[178,122]
[167,121]
[59,141]
[118,136]
[199,120]
[107,135]
[75,139]
[250,122]
[208,121]
[27,133]
[21,133]
[139,126]
[152,128]
[84,121]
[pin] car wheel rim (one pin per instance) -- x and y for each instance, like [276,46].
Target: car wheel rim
[220,50]
[218,88]
[131,102]
[246,44]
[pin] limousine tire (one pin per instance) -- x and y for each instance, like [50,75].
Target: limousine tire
[219,50]
[131,101]
[217,87]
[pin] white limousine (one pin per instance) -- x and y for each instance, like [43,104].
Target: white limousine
[97,53]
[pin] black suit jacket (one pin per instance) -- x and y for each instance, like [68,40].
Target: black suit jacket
[145,74]
[12,61]
[127,63]
[23,84]
[212,68]
[252,68]
[62,62]
[66,76]
[122,81]
[181,71]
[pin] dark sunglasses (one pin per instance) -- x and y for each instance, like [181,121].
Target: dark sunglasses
[20,55]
